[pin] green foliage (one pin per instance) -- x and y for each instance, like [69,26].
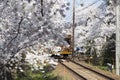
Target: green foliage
[108,53]
[105,68]
[36,75]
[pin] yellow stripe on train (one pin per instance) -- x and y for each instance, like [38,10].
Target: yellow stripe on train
[65,52]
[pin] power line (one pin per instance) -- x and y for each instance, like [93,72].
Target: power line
[89,5]
[84,8]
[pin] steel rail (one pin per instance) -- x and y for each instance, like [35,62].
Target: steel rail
[80,76]
[105,76]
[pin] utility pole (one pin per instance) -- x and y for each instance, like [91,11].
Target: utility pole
[73,27]
[118,37]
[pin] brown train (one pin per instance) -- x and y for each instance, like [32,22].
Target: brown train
[65,51]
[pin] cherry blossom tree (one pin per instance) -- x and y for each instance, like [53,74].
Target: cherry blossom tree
[95,23]
[25,23]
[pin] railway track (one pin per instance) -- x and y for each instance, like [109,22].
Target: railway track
[74,73]
[83,72]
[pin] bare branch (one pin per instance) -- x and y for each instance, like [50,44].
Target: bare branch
[18,31]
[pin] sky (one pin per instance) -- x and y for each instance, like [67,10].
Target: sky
[77,4]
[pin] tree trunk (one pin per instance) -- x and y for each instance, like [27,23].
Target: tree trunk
[42,13]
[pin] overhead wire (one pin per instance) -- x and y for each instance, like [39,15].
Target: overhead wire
[85,7]
[89,5]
